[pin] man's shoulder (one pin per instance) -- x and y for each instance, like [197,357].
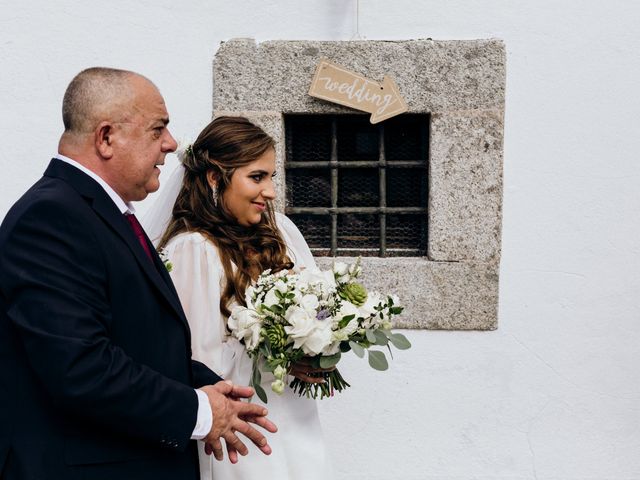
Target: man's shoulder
[48,199]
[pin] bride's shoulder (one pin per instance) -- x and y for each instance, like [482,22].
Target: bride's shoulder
[187,238]
[195,242]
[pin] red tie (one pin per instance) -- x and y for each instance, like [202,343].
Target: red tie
[137,229]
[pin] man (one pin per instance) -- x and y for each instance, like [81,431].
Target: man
[96,376]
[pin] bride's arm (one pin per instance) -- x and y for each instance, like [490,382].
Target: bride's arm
[196,274]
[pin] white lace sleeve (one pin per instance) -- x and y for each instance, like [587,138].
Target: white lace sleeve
[296,244]
[197,275]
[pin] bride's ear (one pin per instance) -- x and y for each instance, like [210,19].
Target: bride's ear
[212,179]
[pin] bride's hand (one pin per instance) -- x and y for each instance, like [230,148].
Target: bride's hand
[304,370]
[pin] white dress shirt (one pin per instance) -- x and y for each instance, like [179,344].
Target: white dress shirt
[205,416]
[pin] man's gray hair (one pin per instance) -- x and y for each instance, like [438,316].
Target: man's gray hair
[92,96]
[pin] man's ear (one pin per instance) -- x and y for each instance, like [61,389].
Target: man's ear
[103,139]
[212,179]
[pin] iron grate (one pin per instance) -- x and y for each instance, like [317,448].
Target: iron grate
[354,188]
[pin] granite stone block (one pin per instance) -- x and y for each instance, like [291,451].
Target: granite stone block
[465,186]
[436,295]
[433,76]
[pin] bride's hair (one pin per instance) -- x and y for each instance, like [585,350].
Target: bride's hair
[224,145]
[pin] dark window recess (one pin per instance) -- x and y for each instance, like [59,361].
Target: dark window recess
[359,189]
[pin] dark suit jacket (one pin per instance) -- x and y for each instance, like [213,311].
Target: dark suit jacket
[96,376]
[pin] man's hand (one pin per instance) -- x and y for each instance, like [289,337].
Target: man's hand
[231,415]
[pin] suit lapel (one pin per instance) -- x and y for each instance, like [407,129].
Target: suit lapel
[107,210]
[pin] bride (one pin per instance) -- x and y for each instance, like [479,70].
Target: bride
[221,234]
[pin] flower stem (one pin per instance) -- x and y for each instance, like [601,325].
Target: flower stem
[333,381]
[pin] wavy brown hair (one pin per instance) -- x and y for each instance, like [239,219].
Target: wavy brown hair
[224,145]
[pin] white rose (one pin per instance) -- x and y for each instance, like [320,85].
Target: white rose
[297,296]
[318,340]
[245,324]
[329,280]
[347,308]
[249,298]
[270,298]
[280,286]
[300,324]
[368,309]
[309,303]
[310,276]
[307,333]
[341,271]
[313,276]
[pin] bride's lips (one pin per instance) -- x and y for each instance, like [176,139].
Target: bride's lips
[260,206]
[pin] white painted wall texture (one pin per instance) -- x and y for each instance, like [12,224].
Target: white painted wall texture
[554,393]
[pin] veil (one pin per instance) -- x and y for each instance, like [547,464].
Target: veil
[156,220]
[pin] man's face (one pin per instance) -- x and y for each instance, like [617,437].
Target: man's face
[140,144]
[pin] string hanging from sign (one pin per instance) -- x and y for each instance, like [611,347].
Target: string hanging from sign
[356,35]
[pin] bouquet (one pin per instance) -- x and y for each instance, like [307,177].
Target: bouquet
[313,316]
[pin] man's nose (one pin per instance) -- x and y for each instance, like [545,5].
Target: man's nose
[169,145]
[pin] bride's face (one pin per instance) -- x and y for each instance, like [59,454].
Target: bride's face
[250,188]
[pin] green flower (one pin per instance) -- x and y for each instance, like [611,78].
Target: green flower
[277,336]
[277,386]
[354,293]
[279,372]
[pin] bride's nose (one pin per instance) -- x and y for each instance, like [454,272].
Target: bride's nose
[269,192]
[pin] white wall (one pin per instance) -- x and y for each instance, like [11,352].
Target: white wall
[555,392]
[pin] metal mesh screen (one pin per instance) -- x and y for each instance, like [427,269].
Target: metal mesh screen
[358,138]
[309,139]
[406,138]
[406,187]
[358,189]
[309,187]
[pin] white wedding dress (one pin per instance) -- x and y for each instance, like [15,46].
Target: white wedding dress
[298,448]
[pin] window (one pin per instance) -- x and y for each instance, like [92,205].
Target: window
[358,189]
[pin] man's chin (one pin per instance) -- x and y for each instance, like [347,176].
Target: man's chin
[151,188]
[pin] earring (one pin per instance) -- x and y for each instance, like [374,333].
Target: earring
[214,195]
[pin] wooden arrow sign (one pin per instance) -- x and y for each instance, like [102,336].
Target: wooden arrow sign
[336,84]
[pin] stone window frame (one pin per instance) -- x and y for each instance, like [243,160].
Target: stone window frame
[461,85]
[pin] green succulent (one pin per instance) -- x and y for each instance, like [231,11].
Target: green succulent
[354,293]
[277,336]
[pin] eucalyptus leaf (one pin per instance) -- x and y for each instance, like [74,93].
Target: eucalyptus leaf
[381,338]
[399,341]
[262,395]
[328,362]
[377,360]
[256,377]
[371,336]
[357,349]
[345,320]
